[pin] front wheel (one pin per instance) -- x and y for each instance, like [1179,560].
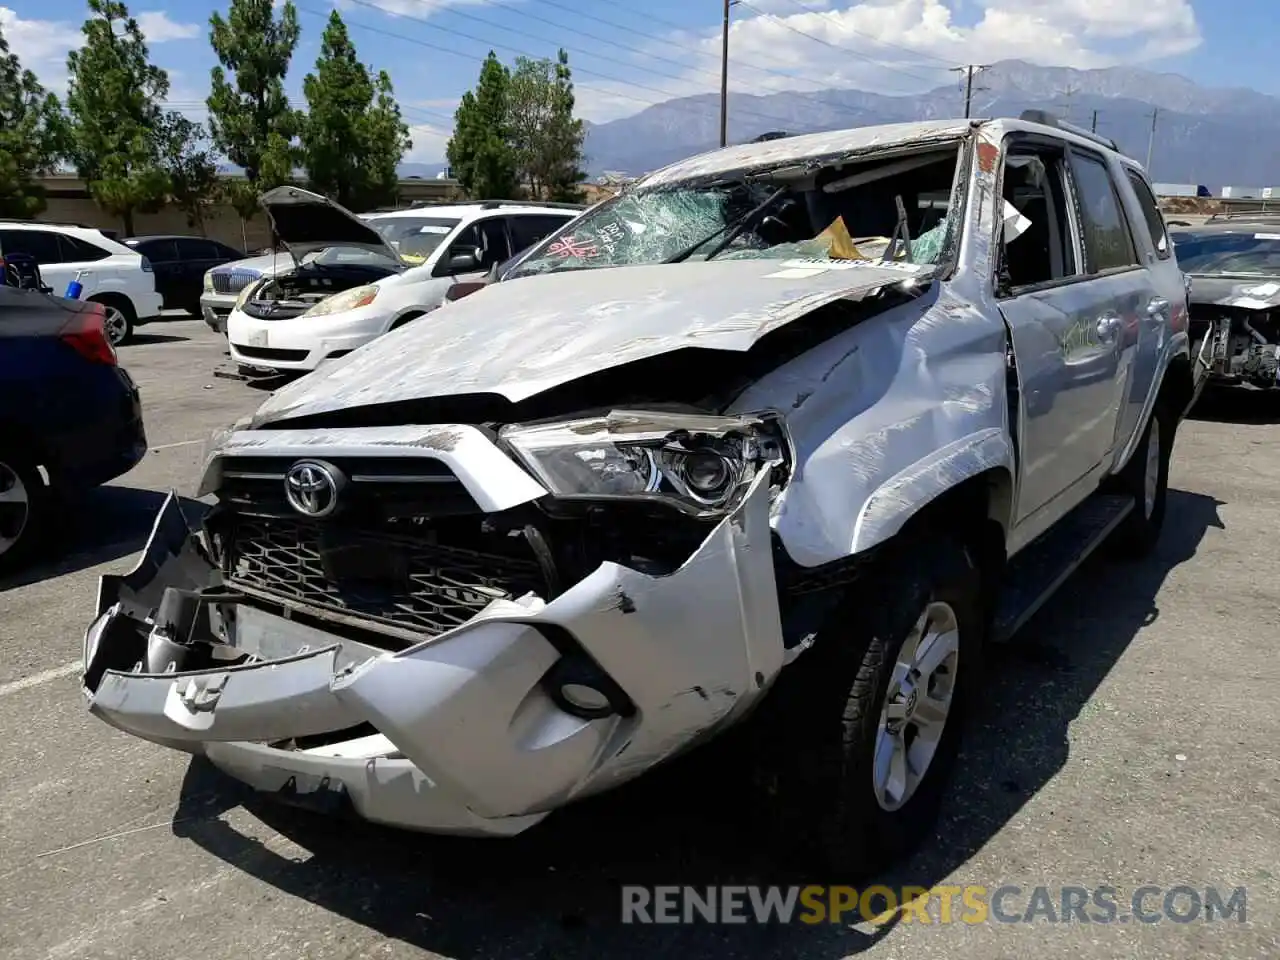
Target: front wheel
[860,733]
[118,323]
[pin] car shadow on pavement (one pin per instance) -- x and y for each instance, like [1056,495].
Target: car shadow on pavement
[554,892]
[142,339]
[98,526]
[1238,405]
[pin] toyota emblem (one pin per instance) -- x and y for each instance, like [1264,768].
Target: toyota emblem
[312,488]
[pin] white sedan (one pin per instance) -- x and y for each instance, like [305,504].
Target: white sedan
[357,277]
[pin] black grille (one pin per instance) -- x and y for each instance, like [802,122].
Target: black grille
[380,488]
[270,353]
[401,579]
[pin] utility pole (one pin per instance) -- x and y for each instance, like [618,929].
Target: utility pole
[1151,140]
[724,75]
[1067,95]
[970,71]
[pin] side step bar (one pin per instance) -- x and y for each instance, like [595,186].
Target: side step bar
[1042,566]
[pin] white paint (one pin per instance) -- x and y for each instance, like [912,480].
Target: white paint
[44,676]
[796,273]
[179,443]
[1265,289]
[1267,236]
[1251,303]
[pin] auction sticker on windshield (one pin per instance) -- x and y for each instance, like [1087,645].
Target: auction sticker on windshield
[812,267]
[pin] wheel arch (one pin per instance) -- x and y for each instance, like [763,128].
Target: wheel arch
[23,438]
[114,298]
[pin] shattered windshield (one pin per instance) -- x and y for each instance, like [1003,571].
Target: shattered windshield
[1250,254]
[828,215]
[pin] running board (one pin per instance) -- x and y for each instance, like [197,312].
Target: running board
[1043,565]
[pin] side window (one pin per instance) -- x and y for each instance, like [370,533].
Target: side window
[193,248]
[75,250]
[1151,213]
[160,251]
[528,230]
[39,244]
[489,237]
[1036,242]
[1108,245]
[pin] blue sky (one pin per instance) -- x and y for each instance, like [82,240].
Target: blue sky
[628,55]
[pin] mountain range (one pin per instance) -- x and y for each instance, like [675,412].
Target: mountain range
[1202,135]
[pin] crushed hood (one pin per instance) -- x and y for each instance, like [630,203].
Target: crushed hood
[1254,293]
[306,222]
[520,339]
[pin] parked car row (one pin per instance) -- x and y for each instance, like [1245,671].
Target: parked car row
[779,439]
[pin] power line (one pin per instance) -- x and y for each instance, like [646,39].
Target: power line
[666,95]
[808,95]
[831,14]
[828,43]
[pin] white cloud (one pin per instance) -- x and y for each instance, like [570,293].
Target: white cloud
[41,45]
[429,141]
[897,46]
[158,28]
[416,9]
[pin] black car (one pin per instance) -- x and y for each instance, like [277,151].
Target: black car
[1232,262]
[70,416]
[180,264]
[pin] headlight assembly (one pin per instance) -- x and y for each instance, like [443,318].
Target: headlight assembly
[342,302]
[247,293]
[701,464]
[208,281]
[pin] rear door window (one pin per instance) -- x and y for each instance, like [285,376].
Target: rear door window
[159,251]
[526,230]
[194,248]
[1108,244]
[40,244]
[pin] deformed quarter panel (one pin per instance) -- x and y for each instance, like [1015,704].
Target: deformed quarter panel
[897,410]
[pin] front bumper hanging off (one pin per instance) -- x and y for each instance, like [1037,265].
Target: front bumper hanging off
[457,734]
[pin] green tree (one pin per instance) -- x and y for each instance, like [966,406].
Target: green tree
[250,120]
[113,98]
[545,136]
[32,137]
[481,150]
[189,163]
[353,137]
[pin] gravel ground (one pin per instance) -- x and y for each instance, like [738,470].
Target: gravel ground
[1129,738]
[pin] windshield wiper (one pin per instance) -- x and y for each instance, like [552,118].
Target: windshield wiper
[735,228]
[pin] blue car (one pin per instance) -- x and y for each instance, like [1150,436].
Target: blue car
[70,416]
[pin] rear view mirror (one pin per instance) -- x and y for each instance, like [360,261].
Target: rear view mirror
[464,260]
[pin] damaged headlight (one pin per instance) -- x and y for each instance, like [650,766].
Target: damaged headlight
[342,302]
[247,293]
[701,464]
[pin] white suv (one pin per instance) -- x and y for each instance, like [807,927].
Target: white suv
[111,274]
[350,278]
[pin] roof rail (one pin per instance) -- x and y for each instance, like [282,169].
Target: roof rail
[496,204]
[1049,120]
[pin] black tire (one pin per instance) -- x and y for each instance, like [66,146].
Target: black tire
[401,321]
[817,731]
[28,528]
[1137,534]
[120,325]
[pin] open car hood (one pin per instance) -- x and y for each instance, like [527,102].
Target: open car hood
[306,222]
[519,339]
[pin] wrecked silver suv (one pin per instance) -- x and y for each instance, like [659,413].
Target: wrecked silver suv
[783,435]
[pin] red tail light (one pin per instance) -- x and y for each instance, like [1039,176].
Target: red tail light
[86,334]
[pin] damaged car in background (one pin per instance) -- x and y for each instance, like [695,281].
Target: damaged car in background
[778,439]
[353,278]
[1232,262]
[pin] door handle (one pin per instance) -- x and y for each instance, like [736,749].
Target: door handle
[1157,308]
[1108,328]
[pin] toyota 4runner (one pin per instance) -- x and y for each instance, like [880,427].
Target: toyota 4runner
[783,435]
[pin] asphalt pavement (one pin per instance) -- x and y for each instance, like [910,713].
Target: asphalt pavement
[1130,737]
